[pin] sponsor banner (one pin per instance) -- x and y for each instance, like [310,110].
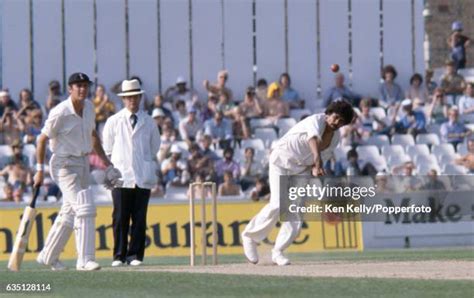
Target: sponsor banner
[168,231]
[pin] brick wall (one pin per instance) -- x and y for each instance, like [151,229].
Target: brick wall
[438,28]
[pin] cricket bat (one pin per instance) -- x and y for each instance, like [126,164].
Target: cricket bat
[23,234]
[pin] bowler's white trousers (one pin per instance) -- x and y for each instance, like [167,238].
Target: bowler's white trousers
[262,224]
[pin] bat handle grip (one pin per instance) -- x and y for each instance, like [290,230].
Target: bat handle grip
[36,190]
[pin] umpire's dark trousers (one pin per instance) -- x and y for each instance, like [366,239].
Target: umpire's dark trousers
[129,204]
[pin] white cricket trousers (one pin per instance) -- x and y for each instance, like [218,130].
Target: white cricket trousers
[263,223]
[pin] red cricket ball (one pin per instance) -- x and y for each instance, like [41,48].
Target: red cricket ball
[335,67]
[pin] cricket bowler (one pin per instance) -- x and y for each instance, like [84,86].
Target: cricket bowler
[303,150]
[70,129]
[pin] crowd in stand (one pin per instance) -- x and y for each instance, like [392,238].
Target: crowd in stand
[217,138]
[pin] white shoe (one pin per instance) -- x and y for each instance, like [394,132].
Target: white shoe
[250,249]
[56,266]
[89,266]
[136,263]
[117,263]
[279,259]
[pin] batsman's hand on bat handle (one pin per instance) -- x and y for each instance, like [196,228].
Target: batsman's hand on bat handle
[38,179]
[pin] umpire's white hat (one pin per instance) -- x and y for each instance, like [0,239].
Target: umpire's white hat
[130,88]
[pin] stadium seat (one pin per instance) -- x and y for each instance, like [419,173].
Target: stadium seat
[365,151]
[392,150]
[267,135]
[433,128]
[404,140]
[298,113]
[176,193]
[378,161]
[443,149]
[427,159]
[378,140]
[340,152]
[424,168]
[284,125]
[30,151]
[444,159]
[260,122]
[452,169]
[397,160]
[428,139]
[257,144]
[417,149]
[184,148]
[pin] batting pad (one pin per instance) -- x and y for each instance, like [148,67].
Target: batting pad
[85,227]
[57,238]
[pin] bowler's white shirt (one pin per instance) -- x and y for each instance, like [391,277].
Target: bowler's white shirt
[70,134]
[133,151]
[293,152]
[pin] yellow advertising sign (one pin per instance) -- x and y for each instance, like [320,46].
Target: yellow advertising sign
[168,231]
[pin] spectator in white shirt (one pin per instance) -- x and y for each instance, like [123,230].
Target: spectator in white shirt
[466,103]
[132,140]
[190,126]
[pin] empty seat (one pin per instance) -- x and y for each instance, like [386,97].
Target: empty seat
[424,169]
[367,150]
[298,113]
[378,161]
[397,160]
[389,150]
[284,125]
[257,144]
[443,149]
[427,159]
[260,122]
[404,140]
[418,149]
[443,160]
[462,149]
[452,169]
[378,112]
[267,135]
[378,140]
[30,151]
[427,138]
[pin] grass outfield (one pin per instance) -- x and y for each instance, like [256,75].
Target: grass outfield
[129,283]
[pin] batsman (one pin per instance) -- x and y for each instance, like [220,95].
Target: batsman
[70,129]
[301,151]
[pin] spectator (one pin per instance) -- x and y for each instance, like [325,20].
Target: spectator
[32,126]
[27,103]
[390,91]
[174,168]
[430,85]
[180,113]
[220,129]
[18,176]
[250,106]
[190,126]
[18,156]
[225,105]
[339,91]
[417,90]
[262,90]
[6,102]
[200,164]
[275,108]
[159,104]
[438,109]
[453,131]
[383,184]
[206,150]
[251,169]
[414,122]
[433,182]
[458,43]
[228,187]
[219,87]
[240,126]
[452,83]
[467,160]
[8,194]
[181,92]
[159,117]
[466,103]
[261,191]
[353,166]
[103,106]
[227,164]
[366,123]
[10,126]
[289,94]
[209,109]
[168,137]
[54,95]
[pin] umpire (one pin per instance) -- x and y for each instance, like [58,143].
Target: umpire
[132,139]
